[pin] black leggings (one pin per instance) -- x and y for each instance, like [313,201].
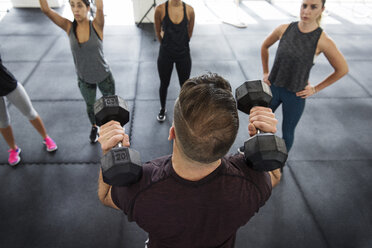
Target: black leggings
[165,68]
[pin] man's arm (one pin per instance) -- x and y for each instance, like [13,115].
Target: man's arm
[110,135]
[264,119]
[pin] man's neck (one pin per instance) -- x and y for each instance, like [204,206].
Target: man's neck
[189,169]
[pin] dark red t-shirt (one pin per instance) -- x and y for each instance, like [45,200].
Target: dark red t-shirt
[178,213]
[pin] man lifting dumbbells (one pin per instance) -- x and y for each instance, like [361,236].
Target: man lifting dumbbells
[198,196]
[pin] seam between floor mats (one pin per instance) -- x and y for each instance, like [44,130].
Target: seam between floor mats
[135,94]
[357,82]
[234,56]
[38,63]
[317,224]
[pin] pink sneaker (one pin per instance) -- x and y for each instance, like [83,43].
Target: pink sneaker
[14,157]
[50,144]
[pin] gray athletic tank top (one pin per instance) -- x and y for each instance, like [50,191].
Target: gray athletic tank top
[294,58]
[90,64]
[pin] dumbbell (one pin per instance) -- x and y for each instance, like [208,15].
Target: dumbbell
[121,166]
[263,151]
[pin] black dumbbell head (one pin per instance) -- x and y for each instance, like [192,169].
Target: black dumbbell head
[252,93]
[110,108]
[121,166]
[265,152]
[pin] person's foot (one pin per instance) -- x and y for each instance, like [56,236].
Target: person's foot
[241,150]
[93,135]
[14,157]
[51,146]
[162,115]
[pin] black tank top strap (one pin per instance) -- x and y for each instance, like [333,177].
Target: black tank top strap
[166,8]
[184,11]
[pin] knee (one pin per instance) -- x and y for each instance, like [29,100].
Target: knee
[32,114]
[4,123]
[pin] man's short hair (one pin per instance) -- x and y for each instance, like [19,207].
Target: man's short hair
[206,118]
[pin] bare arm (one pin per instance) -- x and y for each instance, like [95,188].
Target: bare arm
[99,19]
[191,20]
[337,61]
[60,21]
[110,134]
[268,42]
[157,21]
[264,119]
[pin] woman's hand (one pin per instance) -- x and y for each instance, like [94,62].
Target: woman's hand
[266,79]
[308,91]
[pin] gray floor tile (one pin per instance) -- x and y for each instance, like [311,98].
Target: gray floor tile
[27,48]
[57,206]
[21,70]
[284,221]
[361,71]
[335,129]
[346,87]
[340,198]
[54,81]
[210,47]
[119,47]
[67,123]
[248,46]
[150,137]
[61,50]
[125,75]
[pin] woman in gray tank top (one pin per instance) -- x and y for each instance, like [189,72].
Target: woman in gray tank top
[299,43]
[86,46]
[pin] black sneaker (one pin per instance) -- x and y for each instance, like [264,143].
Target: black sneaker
[162,115]
[241,150]
[93,135]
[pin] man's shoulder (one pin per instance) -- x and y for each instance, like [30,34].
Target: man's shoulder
[157,169]
[237,166]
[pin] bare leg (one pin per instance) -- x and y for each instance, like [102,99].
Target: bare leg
[39,126]
[8,136]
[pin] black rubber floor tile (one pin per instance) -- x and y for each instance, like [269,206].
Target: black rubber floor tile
[125,75]
[346,87]
[354,47]
[252,66]
[334,129]
[149,136]
[361,71]
[247,46]
[57,206]
[21,70]
[210,47]
[284,221]
[67,123]
[27,22]
[61,50]
[339,194]
[149,48]
[119,47]
[230,70]
[54,81]
[26,48]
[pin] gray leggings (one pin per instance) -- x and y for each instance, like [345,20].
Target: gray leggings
[20,99]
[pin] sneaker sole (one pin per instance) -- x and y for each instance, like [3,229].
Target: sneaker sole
[13,164]
[52,150]
[161,120]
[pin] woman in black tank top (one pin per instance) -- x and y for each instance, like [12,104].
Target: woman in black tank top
[299,43]
[174,23]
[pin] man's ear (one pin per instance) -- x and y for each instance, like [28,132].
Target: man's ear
[172,133]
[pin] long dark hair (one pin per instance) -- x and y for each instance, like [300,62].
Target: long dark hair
[74,23]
